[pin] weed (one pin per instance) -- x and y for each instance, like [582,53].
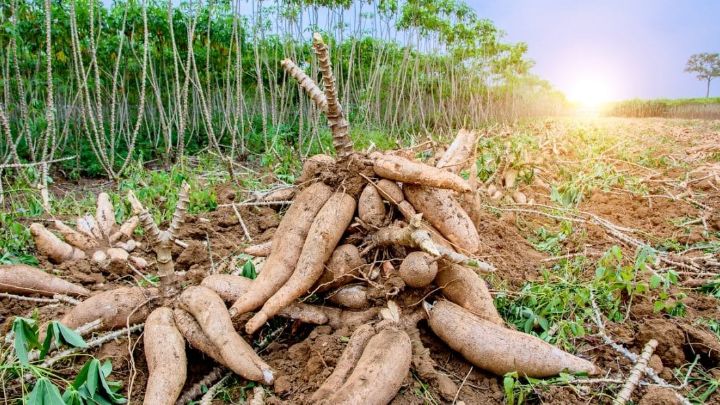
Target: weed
[557,307]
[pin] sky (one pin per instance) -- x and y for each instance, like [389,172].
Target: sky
[618,49]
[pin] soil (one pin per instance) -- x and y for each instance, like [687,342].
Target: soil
[304,355]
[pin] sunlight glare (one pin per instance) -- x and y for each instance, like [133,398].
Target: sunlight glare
[590,94]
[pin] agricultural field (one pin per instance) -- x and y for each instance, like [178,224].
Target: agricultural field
[603,234]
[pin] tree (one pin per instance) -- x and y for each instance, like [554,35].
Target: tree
[706,66]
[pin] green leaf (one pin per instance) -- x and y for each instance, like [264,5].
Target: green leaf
[69,336]
[92,377]
[655,281]
[92,385]
[26,338]
[72,397]
[52,332]
[45,393]
[248,270]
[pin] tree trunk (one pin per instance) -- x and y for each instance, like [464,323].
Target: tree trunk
[707,93]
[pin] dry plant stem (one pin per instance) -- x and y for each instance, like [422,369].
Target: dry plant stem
[336,119]
[627,353]
[345,364]
[306,83]
[207,399]
[636,373]
[242,223]
[100,340]
[163,240]
[197,388]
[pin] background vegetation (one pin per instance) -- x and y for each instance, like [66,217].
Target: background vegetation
[704,108]
[146,80]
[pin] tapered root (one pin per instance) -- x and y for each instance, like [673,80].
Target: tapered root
[346,363]
[105,214]
[286,248]
[379,372]
[193,333]
[165,355]
[408,171]
[499,350]
[115,308]
[22,279]
[210,312]
[324,234]
[51,246]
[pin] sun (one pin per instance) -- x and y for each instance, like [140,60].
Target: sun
[590,94]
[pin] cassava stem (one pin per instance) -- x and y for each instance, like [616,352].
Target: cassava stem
[163,240]
[336,118]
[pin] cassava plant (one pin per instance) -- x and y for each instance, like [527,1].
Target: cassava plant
[97,237]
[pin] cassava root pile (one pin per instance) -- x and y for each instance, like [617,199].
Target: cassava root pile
[371,236]
[97,237]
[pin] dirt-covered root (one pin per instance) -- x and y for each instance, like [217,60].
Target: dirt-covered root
[392,193]
[115,308]
[325,232]
[353,296]
[346,362]
[260,250]
[287,245]
[344,264]
[418,269]
[165,355]
[53,247]
[212,316]
[105,214]
[371,209]
[23,279]
[126,229]
[232,288]
[407,171]
[76,238]
[462,286]
[379,372]
[445,214]
[193,333]
[459,154]
[500,350]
